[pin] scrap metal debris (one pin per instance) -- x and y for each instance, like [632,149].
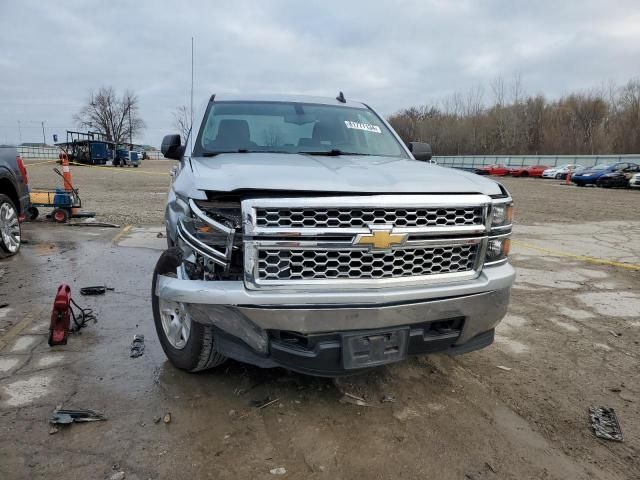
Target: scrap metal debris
[64,417]
[388,399]
[605,423]
[354,400]
[137,346]
[278,471]
[167,417]
[502,367]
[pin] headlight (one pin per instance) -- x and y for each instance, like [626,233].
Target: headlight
[501,214]
[497,249]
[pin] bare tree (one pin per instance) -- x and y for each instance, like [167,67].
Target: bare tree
[118,118]
[597,121]
[182,121]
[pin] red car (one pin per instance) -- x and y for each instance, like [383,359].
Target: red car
[498,169]
[528,171]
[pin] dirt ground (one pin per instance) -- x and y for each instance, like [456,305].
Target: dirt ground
[570,340]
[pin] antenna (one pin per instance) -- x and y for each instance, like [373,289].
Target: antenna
[341,98]
[191,123]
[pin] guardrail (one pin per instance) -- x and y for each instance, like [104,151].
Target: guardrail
[469,162]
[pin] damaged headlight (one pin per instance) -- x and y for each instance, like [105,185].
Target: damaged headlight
[210,230]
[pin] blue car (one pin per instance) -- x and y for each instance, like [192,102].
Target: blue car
[590,175]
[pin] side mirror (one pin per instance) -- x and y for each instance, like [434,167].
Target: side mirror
[420,151]
[171,147]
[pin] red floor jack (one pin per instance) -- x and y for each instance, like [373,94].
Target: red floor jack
[60,316]
[63,312]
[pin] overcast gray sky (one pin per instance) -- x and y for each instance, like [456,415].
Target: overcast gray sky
[391,54]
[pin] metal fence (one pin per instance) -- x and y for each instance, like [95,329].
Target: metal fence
[469,162]
[50,153]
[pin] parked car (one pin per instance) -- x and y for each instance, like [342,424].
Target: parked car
[294,249]
[14,199]
[590,175]
[528,171]
[498,170]
[560,173]
[635,181]
[619,177]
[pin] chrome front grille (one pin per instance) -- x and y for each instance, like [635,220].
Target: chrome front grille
[354,241]
[362,217]
[274,264]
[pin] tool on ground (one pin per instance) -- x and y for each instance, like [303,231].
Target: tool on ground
[62,314]
[62,416]
[95,290]
[137,346]
[605,423]
[65,201]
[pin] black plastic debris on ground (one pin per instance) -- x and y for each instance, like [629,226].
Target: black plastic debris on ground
[65,417]
[605,423]
[137,346]
[95,290]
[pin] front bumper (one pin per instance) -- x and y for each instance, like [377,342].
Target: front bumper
[250,322]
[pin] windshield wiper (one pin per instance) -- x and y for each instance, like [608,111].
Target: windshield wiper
[213,154]
[243,150]
[334,153]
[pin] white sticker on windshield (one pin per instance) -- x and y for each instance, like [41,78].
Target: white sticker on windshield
[367,127]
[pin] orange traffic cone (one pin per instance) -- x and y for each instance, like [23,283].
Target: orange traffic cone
[66,176]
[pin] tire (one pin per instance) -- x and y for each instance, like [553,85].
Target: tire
[32,213]
[10,232]
[558,176]
[524,174]
[60,215]
[135,166]
[198,351]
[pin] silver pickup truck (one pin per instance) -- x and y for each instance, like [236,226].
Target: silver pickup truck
[303,233]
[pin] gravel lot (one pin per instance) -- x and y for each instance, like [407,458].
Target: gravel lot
[136,196]
[124,196]
[515,410]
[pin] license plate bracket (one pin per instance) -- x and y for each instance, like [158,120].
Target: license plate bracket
[369,349]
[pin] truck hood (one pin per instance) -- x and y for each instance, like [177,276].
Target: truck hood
[344,173]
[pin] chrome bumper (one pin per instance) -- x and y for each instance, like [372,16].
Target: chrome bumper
[247,314]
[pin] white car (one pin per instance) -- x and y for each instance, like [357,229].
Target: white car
[635,181]
[560,172]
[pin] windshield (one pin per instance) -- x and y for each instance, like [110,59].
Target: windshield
[599,167]
[288,127]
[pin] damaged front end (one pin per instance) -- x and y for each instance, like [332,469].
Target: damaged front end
[209,237]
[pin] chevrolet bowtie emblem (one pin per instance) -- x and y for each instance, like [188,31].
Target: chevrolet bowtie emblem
[380,238]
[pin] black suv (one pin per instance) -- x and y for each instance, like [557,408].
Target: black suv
[14,199]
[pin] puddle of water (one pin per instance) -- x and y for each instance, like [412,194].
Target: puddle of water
[7,363]
[24,343]
[613,304]
[512,345]
[23,392]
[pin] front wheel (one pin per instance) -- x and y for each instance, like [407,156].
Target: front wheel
[10,238]
[187,344]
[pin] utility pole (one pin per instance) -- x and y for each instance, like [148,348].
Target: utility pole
[44,138]
[20,131]
[191,113]
[130,130]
